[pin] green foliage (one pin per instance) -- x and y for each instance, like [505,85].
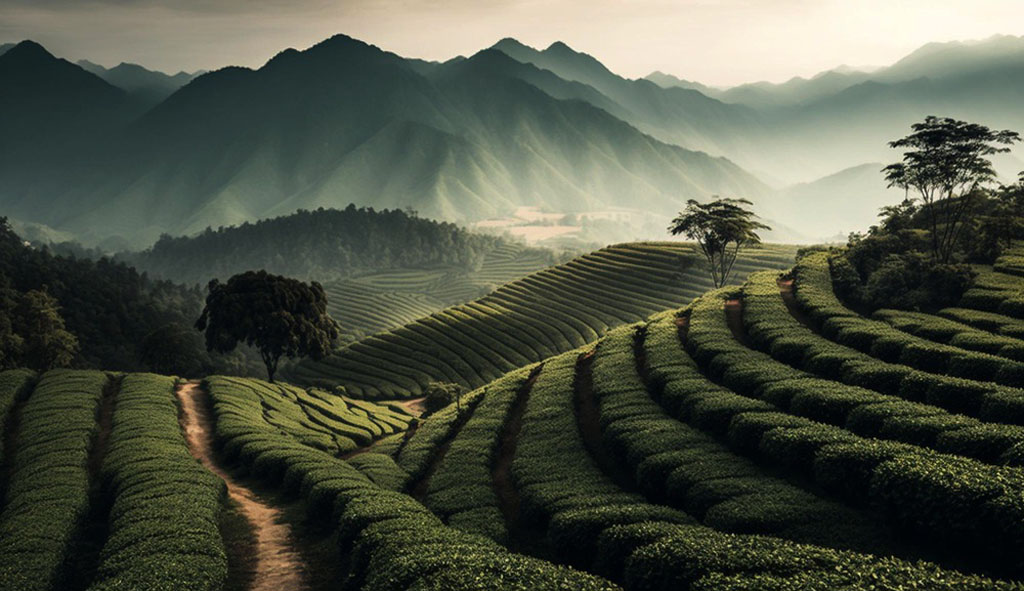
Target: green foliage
[108,307]
[276,315]
[48,493]
[525,321]
[721,228]
[946,162]
[439,395]
[32,332]
[391,540]
[163,520]
[15,384]
[321,244]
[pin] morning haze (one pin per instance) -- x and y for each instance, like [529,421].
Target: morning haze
[719,43]
[481,295]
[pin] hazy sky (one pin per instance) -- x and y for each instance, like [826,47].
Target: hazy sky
[713,41]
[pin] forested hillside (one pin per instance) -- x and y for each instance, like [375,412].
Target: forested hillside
[324,244]
[108,306]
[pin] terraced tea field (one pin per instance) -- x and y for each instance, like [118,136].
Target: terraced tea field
[761,437]
[100,489]
[379,301]
[525,321]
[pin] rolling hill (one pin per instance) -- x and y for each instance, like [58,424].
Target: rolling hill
[525,321]
[761,436]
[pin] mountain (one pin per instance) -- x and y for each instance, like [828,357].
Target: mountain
[681,116]
[4,47]
[839,203]
[344,121]
[151,87]
[49,106]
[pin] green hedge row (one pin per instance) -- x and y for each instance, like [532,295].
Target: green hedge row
[560,485]
[860,410]
[525,321]
[164,519]
[388,540]
[461,490]
[996,292]
[15,385]
[965,388]
[988,321]
[48,493]
[329,422]
[674,462]
[813,288]
[974,508]
[947,331]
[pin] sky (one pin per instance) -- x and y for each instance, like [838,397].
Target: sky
[716,42]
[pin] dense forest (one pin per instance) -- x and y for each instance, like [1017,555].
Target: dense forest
[123,320]
[321,244]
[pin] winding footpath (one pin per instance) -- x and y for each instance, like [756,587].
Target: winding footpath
[279,566]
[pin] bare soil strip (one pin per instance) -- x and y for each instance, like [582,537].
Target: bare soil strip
[501,472]
[734,318]
[588,420]
[279,563]
[786,290]
[95,528]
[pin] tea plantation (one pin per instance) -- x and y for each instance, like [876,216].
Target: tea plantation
[527,320]
[762,436]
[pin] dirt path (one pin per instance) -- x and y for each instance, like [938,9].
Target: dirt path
[279,565]
[786,290]
[501,473]
[415,406]
[734,317]
[588,421]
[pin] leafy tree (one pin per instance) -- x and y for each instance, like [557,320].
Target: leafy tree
[45,343]
[441,394]
[946,163]
[722,228]
[174,350]
[279,316]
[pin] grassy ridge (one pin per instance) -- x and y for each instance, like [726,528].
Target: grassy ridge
[540,315]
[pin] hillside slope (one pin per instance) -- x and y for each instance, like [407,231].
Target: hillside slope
[345,122]
[525,321]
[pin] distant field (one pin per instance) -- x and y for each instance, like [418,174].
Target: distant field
[378,301]
[542,314]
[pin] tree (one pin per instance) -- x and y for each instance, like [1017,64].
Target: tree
[45,342]
[722,228]
[946,163]
[279,316]
[173,349]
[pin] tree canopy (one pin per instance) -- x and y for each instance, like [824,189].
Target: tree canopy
[946,161]
[721,228]
[279,316]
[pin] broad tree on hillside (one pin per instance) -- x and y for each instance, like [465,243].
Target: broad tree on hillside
[279,316]
[32,332]
[946,162]
[722,228]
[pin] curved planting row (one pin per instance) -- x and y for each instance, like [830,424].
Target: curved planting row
[523,322]
[163,530]
[14,386]
[963,380]
[874,398]
[591,520]
[388,539]
[461,491]
[333,423]
[693,471]
[48,492]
